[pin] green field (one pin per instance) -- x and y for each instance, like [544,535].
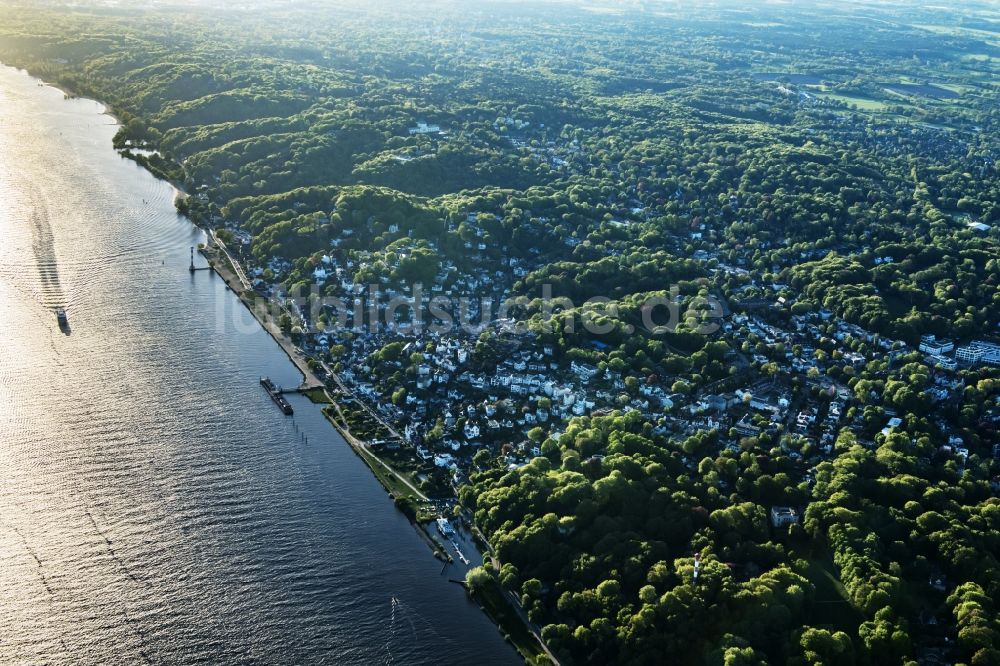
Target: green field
[862,103]
[832,605]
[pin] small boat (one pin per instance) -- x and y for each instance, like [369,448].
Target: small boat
[445,528]
[61,317]
[275,393]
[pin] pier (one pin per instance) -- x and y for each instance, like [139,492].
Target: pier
[303,388]
[194,268]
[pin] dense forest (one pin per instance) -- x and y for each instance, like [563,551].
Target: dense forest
[824,169]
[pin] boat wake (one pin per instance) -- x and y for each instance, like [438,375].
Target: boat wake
[43,244]
[403,613]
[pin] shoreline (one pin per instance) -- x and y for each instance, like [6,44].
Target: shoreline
[312,382]
[179,191]
[496,605]
[217,261]
[220,263]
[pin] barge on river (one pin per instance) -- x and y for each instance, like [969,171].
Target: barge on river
[276,395]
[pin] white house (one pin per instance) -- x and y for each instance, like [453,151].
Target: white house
[783,515]
[444,460]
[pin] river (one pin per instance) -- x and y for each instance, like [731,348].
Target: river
[155,506]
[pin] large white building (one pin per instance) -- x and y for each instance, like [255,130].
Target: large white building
[931,345]
[424,128]
[979,352]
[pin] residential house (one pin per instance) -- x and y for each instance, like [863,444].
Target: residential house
[782,516]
